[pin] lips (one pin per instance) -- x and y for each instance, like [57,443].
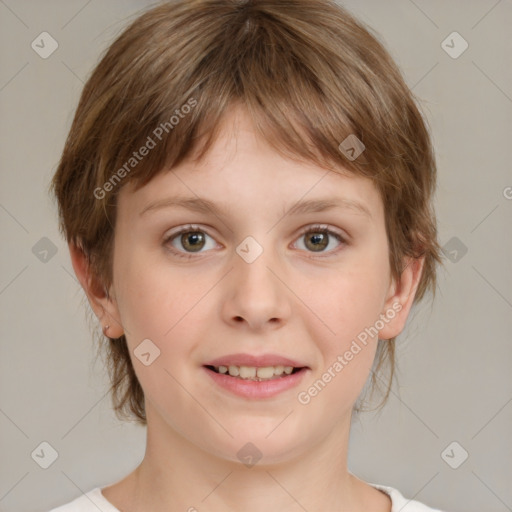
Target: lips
[261,361]
[256,382]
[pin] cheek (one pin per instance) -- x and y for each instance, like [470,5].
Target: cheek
[153,298]
[348,302]
[165,305]
[347,308]
[346,338]
[159,305]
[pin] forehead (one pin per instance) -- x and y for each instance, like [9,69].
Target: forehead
[242,168]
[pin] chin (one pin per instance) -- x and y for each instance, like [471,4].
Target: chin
[266,445]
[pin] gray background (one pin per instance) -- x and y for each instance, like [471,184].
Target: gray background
[455,358]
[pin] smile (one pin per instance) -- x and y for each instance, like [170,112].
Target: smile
[255,382]
[255,373]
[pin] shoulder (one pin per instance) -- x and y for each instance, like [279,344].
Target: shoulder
[91,501]
[399,501]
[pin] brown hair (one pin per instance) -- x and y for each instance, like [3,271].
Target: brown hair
[308,73]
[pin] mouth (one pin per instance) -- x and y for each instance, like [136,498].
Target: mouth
[256,376]
[256,373]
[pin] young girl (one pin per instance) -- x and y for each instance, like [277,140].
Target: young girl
[246,191]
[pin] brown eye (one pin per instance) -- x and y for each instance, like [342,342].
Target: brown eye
[187,241]
[318,238]
[192,241]
[317,241]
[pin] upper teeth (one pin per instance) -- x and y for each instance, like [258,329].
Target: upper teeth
[251,372]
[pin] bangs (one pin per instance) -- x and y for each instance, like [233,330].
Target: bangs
[304,99]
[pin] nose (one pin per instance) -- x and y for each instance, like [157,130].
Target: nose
[256,295]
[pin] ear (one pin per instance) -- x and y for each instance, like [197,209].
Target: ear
[103,305]
[400,298]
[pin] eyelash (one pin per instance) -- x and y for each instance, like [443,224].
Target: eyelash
[192,229]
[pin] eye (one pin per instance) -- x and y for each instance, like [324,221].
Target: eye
[319,237]
[191,238]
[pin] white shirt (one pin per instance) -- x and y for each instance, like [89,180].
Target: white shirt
[94,501]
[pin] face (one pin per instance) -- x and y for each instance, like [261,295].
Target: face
[255,283]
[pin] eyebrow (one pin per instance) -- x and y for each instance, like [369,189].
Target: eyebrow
[203,205]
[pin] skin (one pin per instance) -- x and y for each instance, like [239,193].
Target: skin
[292,300]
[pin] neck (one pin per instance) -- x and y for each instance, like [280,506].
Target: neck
[176,474]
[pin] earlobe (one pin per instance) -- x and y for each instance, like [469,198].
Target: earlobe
[401,298]
[103,306]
